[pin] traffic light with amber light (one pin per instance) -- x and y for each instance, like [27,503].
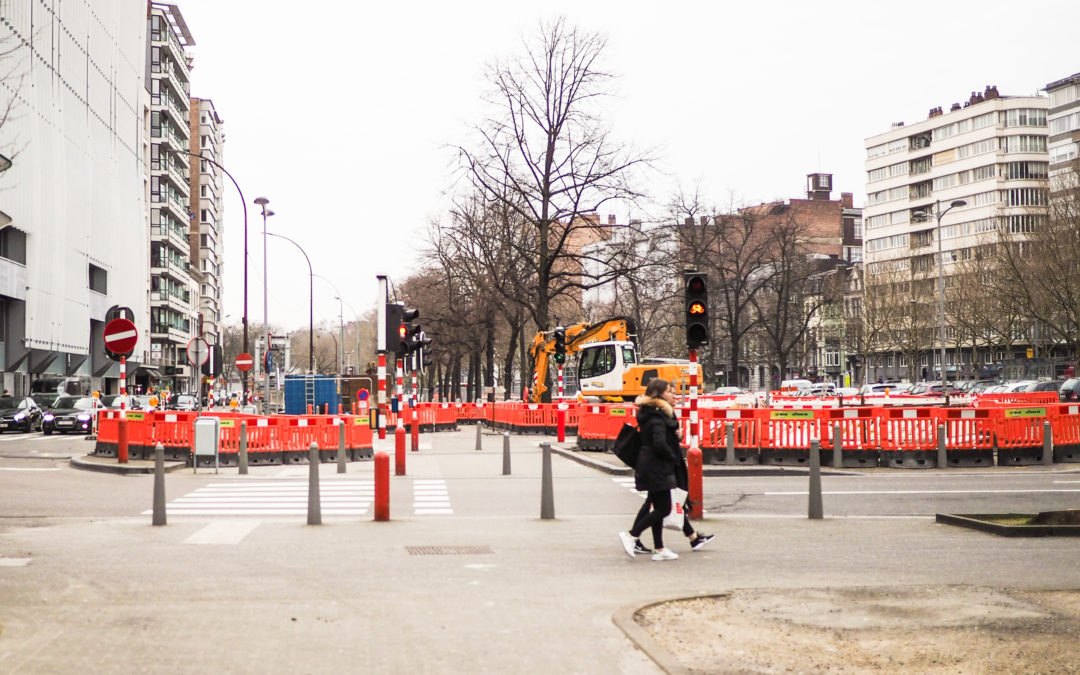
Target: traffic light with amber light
[697,309]
[560,345]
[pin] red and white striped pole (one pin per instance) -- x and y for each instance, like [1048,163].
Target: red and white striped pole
[381,413]
[123,382]
[560,382]
[400,387]
[415,397]
[695,489]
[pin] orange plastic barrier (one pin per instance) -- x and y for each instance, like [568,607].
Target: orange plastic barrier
[174,430]
[1065,424]
[745,427]
[599,424]
[1020,434]
[909,438]
[1034,398]
[786,435]
[860,435]
[969,436]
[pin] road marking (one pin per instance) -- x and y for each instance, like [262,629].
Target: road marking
[14,562]
[16,468]
[920,492]
[1067,481]
[228,532]
[430,498]
[276,498]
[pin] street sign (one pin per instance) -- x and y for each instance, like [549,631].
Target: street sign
[120,336]
[198,351]
[244,362]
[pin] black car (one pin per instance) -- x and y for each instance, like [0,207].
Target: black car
[19,414]
[71,414]
[45,401]
[1070,389]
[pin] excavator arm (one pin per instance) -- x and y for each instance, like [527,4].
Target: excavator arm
[618,328]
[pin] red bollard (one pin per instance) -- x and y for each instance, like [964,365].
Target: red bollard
[354,407]
[415,432]
[693,470]
[309,408]
[560,415]
[399,451]
[121,441]
[382,487]
[340,409]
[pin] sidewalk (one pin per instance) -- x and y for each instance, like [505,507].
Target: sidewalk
[478,591]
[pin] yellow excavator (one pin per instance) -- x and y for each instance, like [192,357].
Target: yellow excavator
[608,366]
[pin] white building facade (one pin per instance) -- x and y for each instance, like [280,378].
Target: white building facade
[990,153]
[73,202]
[207,183]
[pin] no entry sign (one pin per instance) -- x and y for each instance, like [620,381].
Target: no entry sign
[244,362]
[120,336]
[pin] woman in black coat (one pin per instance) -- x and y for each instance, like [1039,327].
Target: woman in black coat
[659,460]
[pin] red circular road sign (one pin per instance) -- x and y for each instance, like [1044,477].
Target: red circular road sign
[244,362]
[120,336]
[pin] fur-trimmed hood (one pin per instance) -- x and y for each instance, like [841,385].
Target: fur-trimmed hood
[655,403]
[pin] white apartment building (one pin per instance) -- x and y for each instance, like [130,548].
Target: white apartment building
[207,203]
[1063,119]
[174,302]
[73,201]
[990,153]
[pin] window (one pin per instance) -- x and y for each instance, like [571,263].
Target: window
[1027,197]
[832,358]
[983,121]
[984,198]
[1026,170]
[983,172]
[1064,153]
[597,361]
[1025,144]
[900,169]
[1025,117]
[1022,224]
[877,174]
[876,151]
[944,132]
[13,246]
[858,228]
[99,279]
[946,181]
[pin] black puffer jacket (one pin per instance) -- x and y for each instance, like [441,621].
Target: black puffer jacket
[659,456]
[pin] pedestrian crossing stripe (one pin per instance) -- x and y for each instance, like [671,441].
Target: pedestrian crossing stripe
[430,498]
[628,483]
[274,498]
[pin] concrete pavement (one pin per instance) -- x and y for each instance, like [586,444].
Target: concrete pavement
[490,588]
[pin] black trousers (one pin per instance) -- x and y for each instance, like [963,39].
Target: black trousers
[651,515]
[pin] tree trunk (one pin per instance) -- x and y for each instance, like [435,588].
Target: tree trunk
[508,366]
[489,359]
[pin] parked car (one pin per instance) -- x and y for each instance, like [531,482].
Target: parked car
[182,402]
[1046,385]
[44,401]
[929,389]
[19,414]
[112,402]
[847,391]
[1070,389]
[880,387]
[71,414]
[1019,385]
[728,391]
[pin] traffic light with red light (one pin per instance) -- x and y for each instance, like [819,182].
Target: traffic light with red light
[697,309]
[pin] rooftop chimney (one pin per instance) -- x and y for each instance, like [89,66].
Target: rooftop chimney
[611,219]
[991,92]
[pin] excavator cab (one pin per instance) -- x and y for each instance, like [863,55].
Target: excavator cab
[602,367]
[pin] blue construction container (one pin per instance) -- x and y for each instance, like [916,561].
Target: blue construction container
[319,390]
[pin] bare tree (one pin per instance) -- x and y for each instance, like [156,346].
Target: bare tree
[546,157]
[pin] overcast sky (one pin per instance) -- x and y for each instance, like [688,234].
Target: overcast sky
[340,113]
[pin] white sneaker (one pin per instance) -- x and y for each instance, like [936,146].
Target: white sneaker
[665,554]
[627,543]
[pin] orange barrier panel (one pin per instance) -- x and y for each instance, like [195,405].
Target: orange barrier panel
[445,417]
[969,436]
[599,424]
[1020,435]
[909,438]
[860,435]
[1035,398]
[745,427]
[1065,424]
[173,430]
[786,435]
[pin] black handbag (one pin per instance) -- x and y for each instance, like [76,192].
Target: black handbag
[627,444]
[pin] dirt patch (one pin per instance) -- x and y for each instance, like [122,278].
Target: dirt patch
[920,629]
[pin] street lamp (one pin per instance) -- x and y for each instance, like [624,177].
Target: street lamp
[243,202]
[311,301]
[941,282]
[263,201]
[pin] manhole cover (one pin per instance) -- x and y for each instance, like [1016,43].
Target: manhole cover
[449,550]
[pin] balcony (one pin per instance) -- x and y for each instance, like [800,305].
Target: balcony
[175,236]
[164,333]
[171,269]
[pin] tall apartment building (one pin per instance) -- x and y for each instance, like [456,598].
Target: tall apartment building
[991,153]
[1063,118]
[73,239]
[206,235]
[174,304]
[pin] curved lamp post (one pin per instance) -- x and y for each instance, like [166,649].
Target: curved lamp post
[941,282]
[311,301]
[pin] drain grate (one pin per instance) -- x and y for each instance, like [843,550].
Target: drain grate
[449,550]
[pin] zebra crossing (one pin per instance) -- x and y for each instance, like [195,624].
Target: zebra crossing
[340,497]
[628,483]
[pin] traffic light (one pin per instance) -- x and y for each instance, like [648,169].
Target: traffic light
[560,345]
[697,309]
[409,330]
[393,323]
[424,357]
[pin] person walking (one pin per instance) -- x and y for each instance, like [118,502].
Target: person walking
[655,470]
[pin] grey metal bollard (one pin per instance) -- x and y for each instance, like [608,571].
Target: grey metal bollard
[506,453]
[1048,444]
[243,452]
[159,485]
[816,510]
[479,430]
[729,435]
[838,445]
[314,506]
[942,454]
[547,497]
[341,446]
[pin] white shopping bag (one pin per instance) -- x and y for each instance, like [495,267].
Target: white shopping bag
[674,520]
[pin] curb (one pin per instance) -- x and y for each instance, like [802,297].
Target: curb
[667,661]
[138,466]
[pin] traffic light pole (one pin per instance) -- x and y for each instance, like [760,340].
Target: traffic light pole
[560,382]
[380,344]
